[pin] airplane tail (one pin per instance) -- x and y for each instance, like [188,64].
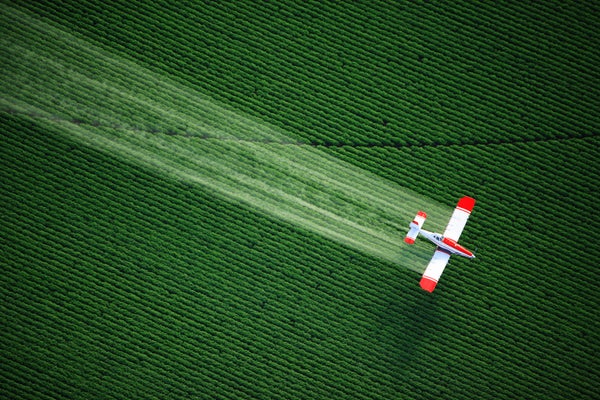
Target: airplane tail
[415,227]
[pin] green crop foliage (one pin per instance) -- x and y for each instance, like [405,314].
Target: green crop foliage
[208,200]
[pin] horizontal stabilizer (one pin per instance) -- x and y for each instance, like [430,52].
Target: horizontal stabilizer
[415,226]
[411,236]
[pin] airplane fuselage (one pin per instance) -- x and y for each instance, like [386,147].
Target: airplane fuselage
[447,244]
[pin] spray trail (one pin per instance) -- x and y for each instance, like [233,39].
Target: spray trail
[60,78]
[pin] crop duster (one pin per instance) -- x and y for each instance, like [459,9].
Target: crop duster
[447,243]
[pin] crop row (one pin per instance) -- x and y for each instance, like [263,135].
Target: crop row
[376,162]
[108,109]
[131,287]
[310,90]
[515,353]
[532,202]
[156,212]
[443,73]
[105,190]
[301,112]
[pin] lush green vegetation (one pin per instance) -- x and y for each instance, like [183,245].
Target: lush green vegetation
[199,200]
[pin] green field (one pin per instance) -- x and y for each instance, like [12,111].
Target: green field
[208,200]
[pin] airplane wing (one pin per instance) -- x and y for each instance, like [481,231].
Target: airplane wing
[434,270]
[440,258]
[459,218]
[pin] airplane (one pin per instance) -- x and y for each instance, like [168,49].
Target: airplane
[447,243]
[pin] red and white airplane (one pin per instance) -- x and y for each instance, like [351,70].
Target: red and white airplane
[447,244]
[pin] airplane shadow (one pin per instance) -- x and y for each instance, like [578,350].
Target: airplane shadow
[410,318]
